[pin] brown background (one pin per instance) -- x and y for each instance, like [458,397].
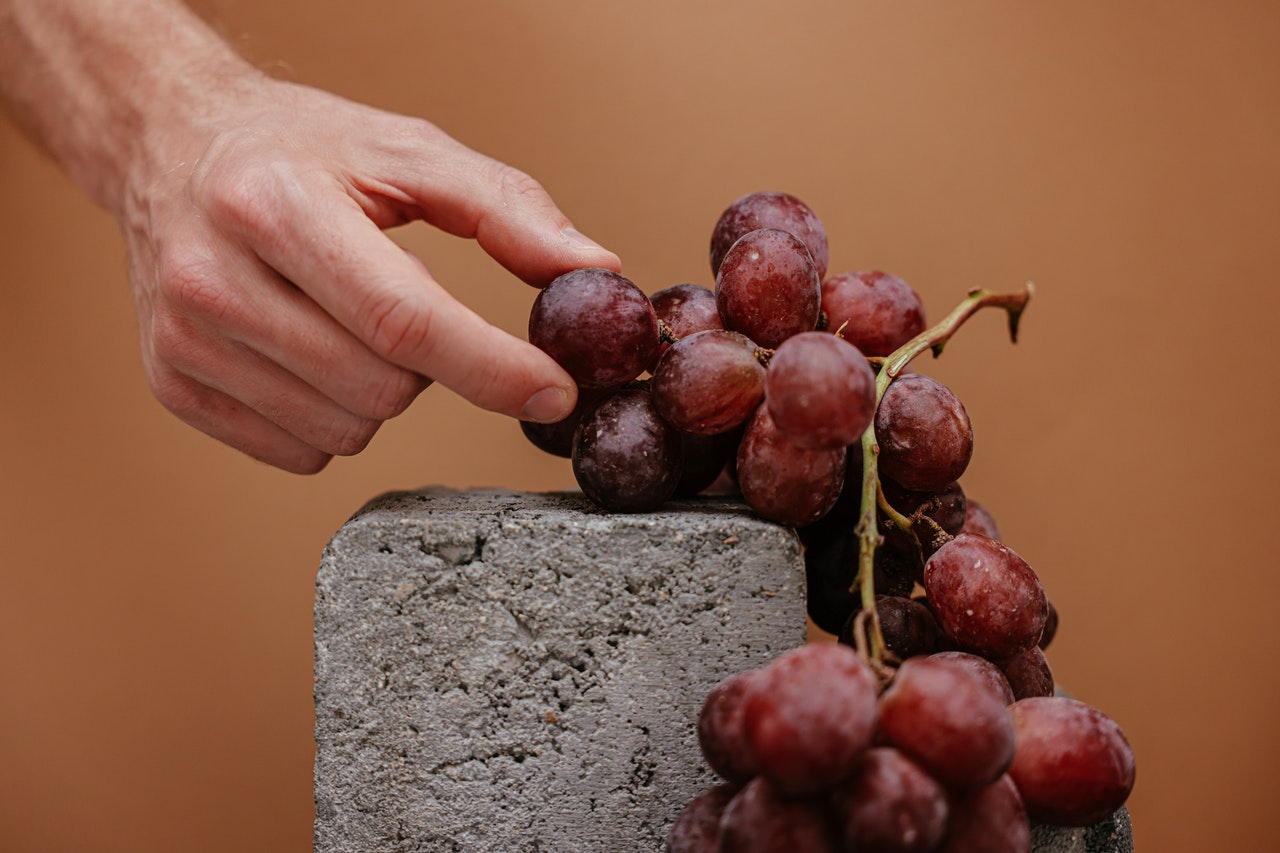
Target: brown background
[156,588]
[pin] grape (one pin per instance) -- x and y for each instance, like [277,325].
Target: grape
[721,735]
[924,434]
[985,596]
[785,483]
[597,325]
[984,669]
[1029,674]
[705,457]
[1074,766]
[907,626]
[709,382]
[877,312]
[557,438]
[626,458]
[809,716]
[770,210]
[946,507]
[1050,627]
[949,721]
[978,520]
[761,820]
[991,820]
[821,391]
[686,309]
[890,805]
[697,829]
[767,288]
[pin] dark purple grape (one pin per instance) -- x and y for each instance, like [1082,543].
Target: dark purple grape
[785,483]
[770,210]
[1029,674]
[626,458]
[1074,766]
[985,597]
[697,829]
[949,721]
[809,717]
[721,734]
[990,820]
[1050,627]
[890,805]
[709,382]
[924,434]
[821,391]
[907,626]
[686,309]
[875,311]
[760,819]
[984,669]
[945,507]
[705,457]
[978,520]
[557,438]
[767,288]
[597,325]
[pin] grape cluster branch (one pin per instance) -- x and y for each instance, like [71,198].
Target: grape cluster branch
[934,338]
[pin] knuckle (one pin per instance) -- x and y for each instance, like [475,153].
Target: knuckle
[398,329]
[174,341]
[245,199]
[517,187]
[193,286]
[384,399]
[350,438]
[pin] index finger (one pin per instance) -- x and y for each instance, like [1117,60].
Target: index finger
[322,241]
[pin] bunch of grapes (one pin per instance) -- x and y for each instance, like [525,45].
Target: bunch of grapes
[933,724]
[817,757]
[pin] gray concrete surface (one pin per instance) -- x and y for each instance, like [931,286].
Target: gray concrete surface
[504,672]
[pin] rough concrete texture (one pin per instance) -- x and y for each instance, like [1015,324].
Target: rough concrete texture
[512,672]
[1113,835]
[501,672]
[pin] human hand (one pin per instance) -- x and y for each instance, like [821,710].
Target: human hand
[274,313]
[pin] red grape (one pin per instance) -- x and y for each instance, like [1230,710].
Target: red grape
[783,482]
[821,391]
[878,312]
[597,325]
[949,721]
[705,457]
[924,433]
[685,309]
[907,626]
[697,829]
[809,716]
[721,735]
[1050,627]
[767,288]
[1074,766]
[770,210]
[762,820]
[984,669]
[990,820]
[1029,674]
[626,458]
[709,382]
[985,596]
[944,507]
[978,520]
[557,438]
[890,805]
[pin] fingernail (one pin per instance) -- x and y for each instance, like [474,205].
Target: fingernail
[580,242]
[547,406]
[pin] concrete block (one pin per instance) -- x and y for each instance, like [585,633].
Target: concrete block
[501,672]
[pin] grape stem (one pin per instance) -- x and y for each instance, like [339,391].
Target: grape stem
[933,338]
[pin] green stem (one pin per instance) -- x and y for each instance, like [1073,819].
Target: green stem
[934,338]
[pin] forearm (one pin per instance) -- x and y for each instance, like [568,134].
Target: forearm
[104,85]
